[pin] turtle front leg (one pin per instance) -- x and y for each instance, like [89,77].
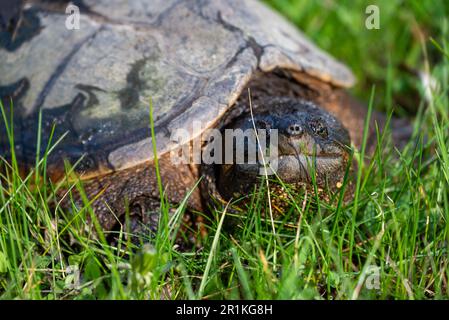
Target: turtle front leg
[129,200]
[140,221]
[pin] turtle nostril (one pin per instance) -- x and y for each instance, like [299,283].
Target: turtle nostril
[294,129]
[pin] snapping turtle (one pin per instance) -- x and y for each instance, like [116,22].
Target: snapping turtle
[196,60]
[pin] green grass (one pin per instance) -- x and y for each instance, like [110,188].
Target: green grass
[396,225]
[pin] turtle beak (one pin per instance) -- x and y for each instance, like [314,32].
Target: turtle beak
[302,153]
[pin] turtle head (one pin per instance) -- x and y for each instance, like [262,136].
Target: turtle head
[300,140]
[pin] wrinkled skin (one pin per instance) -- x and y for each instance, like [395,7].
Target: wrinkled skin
[309,140]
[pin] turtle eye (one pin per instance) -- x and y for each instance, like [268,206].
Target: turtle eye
[318,128]
[295,129]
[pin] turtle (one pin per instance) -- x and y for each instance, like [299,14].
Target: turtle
[202,65]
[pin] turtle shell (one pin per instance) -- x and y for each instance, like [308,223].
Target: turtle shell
[93,85]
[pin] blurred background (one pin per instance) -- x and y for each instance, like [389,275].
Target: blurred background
[391,57]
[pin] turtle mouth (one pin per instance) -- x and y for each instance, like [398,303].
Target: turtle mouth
[297,167]
[293,168]
[295,162]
